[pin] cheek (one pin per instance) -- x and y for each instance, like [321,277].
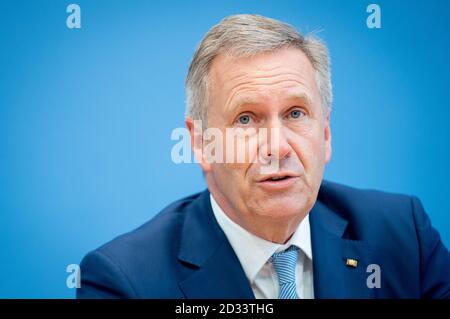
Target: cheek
[310,148]
[231,174]
[231,181]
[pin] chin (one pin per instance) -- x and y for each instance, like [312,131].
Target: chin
[284,208]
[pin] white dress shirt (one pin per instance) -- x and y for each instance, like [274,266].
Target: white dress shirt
[254,255]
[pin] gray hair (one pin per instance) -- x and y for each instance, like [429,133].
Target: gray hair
[245,35]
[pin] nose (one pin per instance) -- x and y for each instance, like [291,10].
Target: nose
[276,145]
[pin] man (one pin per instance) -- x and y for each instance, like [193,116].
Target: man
[264,230]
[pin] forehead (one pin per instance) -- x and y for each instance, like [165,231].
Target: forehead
[284,70]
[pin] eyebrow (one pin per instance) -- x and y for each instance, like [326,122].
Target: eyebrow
[300,94]
[243,100]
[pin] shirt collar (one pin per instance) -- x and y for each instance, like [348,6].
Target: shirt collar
[243,242]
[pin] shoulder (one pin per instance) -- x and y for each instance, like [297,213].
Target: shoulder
[162,228]
[366,202]
[372,214]
[360,196]
[139,261]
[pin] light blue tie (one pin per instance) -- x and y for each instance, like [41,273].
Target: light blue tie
[285,263]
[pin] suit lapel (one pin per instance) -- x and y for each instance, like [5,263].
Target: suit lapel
[215,271]
[332,277]
[218,272]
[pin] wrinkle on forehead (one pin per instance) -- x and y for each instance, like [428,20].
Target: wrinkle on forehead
[260,75]
[249,96]
[237,81]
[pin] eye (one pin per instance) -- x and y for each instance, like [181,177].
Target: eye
[244,119]
[295,114]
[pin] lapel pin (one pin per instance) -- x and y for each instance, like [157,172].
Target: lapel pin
[351,262]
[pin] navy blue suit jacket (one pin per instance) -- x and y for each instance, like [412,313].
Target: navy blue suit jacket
[183,253]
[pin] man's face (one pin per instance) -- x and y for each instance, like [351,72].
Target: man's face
[277,91]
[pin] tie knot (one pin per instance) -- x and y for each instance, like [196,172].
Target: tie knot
[285,263]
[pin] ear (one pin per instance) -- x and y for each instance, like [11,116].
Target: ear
[196,133]
[327,136]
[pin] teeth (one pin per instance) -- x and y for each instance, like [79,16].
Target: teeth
[277,178]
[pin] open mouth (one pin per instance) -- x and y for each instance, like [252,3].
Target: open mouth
[278,182]
[277,178]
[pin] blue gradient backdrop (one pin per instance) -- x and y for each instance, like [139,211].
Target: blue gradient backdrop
[86,116]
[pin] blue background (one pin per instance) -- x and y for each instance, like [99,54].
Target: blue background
[86,116]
